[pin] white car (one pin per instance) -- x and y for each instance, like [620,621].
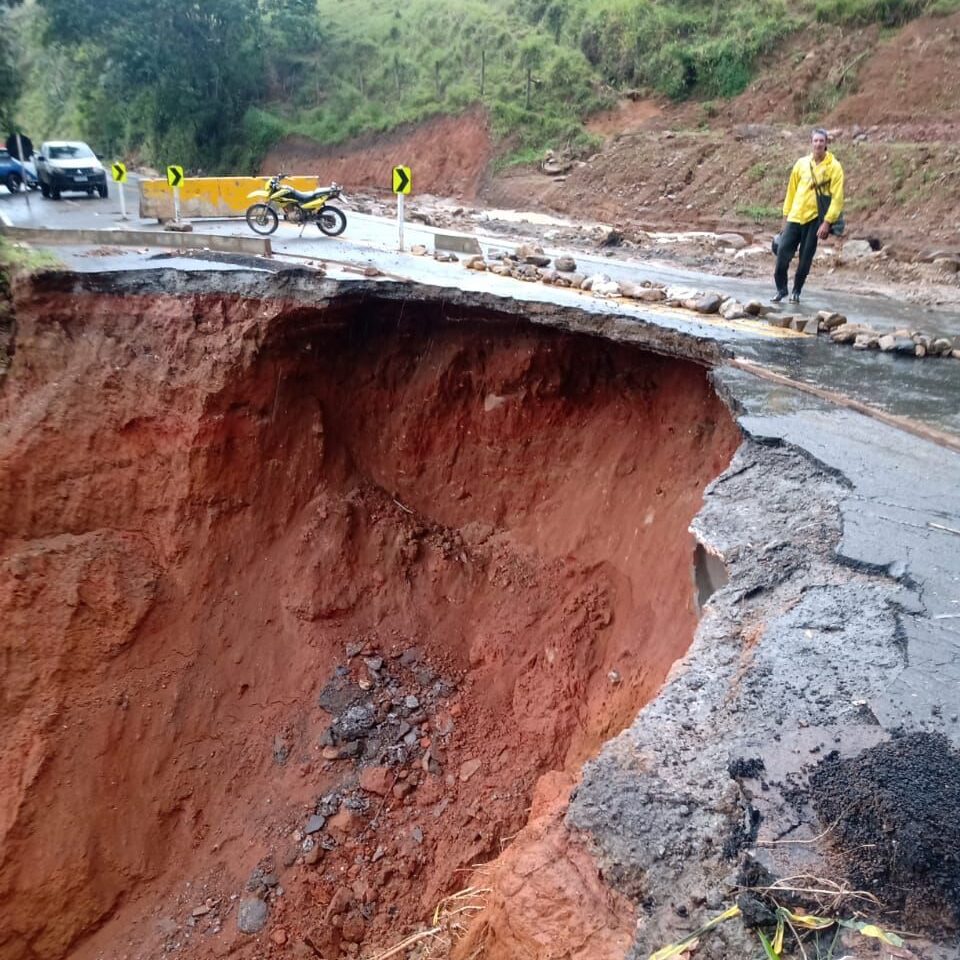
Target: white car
[69,165]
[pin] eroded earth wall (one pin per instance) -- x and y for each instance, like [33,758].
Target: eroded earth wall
[209,503]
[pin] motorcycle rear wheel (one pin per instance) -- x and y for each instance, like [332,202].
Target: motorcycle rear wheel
[331,221]
[262,219]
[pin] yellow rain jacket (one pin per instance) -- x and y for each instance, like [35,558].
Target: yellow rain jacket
[800,203]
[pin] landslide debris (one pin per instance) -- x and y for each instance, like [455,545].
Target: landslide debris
[892,812]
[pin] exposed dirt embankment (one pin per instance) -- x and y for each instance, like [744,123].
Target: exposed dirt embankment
[263,562]
[447,155]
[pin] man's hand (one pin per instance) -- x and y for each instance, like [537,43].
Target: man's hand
[824,230]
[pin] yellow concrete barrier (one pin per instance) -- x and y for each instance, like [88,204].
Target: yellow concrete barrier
[208,196]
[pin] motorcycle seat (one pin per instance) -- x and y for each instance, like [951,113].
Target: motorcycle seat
[307,197]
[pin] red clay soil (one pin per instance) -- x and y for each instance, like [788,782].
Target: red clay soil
[894,103]
[447,155]
[209,505]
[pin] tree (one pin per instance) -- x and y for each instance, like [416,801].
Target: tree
[11,83]
[182,73]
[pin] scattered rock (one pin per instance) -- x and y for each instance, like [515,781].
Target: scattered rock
[734,240]
[353,930]
[251,915]
[279,936]
[857,250]
[200,911]
[709,303]
[372,272]
[526,250]
[831,320]
[604,287]
[378,780]
[402,789]
[887,342]
[418,250]
[537,260]
[614,238]
[468,768]
[651,294]
[525,271]
[315,824]
[781,320]
[341,825]
[754,308]
[178,226]
[941,346]
[630,289]
[905,345]
[340,902]
[847,333]
[565,264]
[732,310]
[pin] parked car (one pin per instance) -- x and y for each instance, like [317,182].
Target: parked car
[69,165]
[13,174]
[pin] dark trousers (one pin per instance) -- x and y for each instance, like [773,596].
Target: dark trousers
[795,235]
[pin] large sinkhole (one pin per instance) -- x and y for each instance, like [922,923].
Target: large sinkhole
[297,610]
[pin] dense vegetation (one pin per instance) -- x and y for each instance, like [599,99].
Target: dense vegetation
[212,83]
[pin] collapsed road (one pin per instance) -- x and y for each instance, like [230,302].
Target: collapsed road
[325,600]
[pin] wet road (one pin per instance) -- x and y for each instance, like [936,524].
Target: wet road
[927,391]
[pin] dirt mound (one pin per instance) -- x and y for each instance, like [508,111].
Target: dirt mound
[892,812]
[301,603]
[723,165]
[447,156]
[911,78]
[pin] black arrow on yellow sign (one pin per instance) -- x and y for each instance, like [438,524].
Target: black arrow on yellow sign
[174,176]
[401,179]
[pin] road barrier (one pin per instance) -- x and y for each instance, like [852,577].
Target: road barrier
[255,246]
[208,196]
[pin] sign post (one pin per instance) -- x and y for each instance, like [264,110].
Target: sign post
[402,182]
[175,178]
[119,171]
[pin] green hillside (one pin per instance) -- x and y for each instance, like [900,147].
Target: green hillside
[216,82]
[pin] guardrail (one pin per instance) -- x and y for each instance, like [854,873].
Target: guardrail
[207,196]
[256,246]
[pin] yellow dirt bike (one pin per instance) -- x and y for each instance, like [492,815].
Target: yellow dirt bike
[297,207]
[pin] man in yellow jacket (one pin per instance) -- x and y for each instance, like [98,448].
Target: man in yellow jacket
[813,204]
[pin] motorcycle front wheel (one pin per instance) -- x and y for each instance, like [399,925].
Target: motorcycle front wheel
[262,219]
[331,221]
